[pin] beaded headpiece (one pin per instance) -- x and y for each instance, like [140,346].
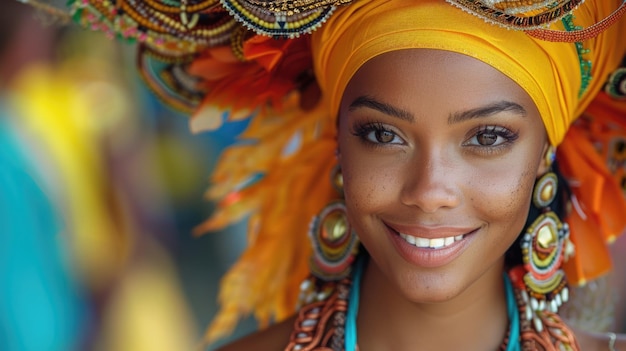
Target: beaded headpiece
[171,33]
[253,57]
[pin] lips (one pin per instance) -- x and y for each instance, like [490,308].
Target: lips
[430,246]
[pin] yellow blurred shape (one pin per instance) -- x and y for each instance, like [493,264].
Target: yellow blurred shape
[68,144]
[148,310]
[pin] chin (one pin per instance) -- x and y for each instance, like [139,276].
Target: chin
[430,287]
[439,294]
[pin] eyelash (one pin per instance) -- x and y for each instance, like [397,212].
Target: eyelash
[363,130]
[508,135]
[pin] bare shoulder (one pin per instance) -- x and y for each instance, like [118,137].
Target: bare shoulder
[274,338]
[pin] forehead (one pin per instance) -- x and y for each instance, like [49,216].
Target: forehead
[419,78]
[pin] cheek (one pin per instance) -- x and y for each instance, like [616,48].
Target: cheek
[370,182]
[367,185]
[504,195]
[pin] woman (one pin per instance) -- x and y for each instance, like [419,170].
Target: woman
[446,128]
[438,175]
[423,169]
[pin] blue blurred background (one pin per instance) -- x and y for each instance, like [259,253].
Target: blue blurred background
[100,189]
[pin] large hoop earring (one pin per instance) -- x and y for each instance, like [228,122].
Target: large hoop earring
[544,246]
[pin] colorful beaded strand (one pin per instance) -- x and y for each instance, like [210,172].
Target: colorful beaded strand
[579,35]
[585,65]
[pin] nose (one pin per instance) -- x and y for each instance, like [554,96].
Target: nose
[431,183]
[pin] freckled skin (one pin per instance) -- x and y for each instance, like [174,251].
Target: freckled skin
[433,178]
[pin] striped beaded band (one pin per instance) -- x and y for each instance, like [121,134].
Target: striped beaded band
[509,13]
[585,65]
[265,20]
[581,34]
[169,27]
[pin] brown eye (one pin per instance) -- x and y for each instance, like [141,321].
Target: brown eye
[384,136]
[486,139]
[489,137]
[377,133]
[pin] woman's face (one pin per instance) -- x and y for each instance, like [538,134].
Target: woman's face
[439,154]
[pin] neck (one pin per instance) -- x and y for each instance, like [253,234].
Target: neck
[475,319]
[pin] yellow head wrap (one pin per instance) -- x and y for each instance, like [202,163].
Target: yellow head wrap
[549,72]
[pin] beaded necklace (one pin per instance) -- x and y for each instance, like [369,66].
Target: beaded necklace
[353,307]
[327,318]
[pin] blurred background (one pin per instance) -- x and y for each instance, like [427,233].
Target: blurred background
[100,189]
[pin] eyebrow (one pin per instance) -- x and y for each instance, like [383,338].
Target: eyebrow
[457,117]
[372,103]
[488,110]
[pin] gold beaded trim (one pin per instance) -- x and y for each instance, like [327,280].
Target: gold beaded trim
[291,7]
[521,6]
[266,19]
[176,30]
[509,13]
[580,35]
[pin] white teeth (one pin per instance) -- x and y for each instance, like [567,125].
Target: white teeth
[436,243]
[422,242]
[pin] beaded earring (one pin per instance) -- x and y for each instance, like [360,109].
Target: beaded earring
[335,247]
[544,245]
[334,243]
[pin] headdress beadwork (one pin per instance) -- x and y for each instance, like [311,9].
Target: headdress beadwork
[534,16]
[520,15]
[288,19]
[171,33]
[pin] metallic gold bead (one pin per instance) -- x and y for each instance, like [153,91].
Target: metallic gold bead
[546,236]
[334,227]
[547,192]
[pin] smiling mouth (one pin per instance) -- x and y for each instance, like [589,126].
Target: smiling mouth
[436,243]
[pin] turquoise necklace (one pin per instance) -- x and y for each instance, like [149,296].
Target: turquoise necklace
[353,308]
